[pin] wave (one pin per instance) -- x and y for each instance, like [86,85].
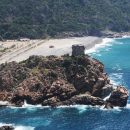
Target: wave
[80,108]
[126,36]
[116,78]
[105,42]
[107,97]
[117,68]
[128,106]
[84,108]
[26,105]
[4,102]
[24,128]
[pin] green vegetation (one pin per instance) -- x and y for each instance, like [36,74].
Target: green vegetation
[42,18]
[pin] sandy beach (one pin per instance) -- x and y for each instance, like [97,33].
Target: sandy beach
[19,51]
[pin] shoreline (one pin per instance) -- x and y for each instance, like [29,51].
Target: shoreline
[46,47]
[54,46]
[26,106]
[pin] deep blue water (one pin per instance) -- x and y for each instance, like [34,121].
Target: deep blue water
[116,58]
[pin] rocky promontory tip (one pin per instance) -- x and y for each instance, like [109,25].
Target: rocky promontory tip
[6,128]
[118,97]
[55,81]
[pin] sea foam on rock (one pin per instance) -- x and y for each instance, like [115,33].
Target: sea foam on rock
[55,81]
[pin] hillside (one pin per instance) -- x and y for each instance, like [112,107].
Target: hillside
[42,18]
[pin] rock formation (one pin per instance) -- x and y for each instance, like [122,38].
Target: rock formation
[6,128]
[118,97]
[54,81]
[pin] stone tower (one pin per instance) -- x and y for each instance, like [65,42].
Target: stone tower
[78,50]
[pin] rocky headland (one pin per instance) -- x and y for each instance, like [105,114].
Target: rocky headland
[6,128]
[55,81]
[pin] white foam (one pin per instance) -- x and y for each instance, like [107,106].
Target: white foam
[26,105]
[117,109]
[126,36]
[82,108]
[99,55]
[17,127]
[74,106]
[107,97]
[117,67]
[24,128]
[4,124]
[105,42]
[128,106]
[4,102]
[116,78]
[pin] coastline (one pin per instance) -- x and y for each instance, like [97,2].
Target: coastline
[81,108]
[54,46]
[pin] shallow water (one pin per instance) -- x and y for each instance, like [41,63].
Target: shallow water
[116,57]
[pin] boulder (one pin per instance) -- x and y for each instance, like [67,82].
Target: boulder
[6,128]
[98,86]
[84,99]
[119,97]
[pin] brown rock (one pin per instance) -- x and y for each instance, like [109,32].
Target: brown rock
[119,97]
[55,81]
[6,128]
[84,99]
[98,86]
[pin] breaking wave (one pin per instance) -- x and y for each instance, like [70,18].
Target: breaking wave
[105,42]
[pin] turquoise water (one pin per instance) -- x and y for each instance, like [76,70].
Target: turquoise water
[116,58]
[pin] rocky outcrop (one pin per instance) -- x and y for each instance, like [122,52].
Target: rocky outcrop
[118,97]
[6,128]
[84,99]
[54,81]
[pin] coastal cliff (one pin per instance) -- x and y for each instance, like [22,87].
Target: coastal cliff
[54,81]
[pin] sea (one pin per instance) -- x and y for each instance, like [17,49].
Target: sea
[115,55]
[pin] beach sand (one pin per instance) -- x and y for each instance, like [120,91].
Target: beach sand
[42,47]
